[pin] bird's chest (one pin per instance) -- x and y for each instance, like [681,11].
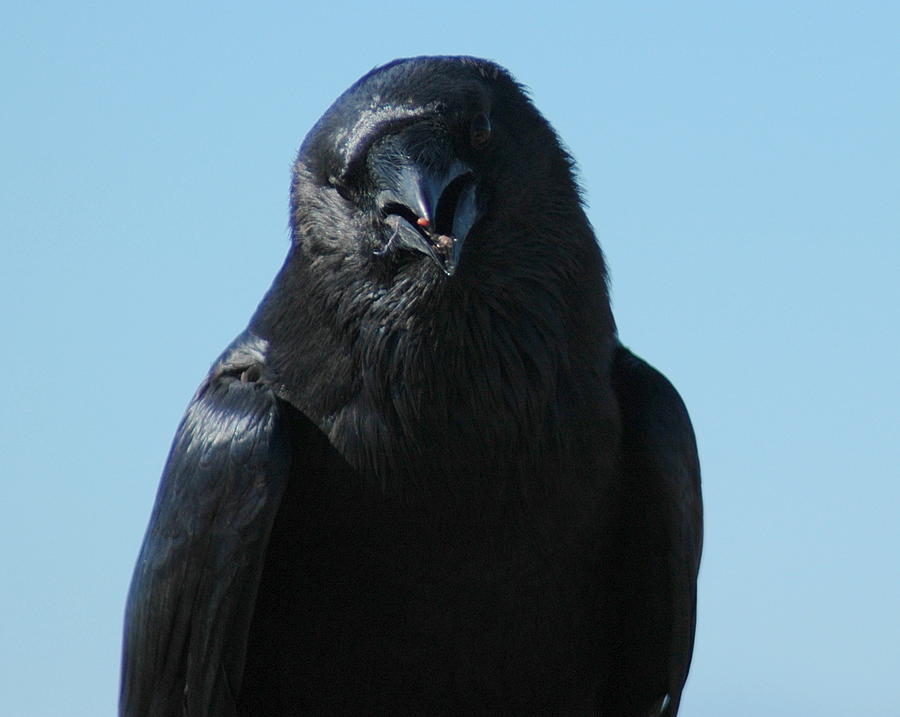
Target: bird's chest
[372,602]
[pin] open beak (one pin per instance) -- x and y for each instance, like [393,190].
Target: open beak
[430,212]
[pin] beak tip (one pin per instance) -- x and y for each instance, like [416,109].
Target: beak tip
[446,252]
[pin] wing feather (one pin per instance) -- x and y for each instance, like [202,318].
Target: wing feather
[665,517]
[194,587]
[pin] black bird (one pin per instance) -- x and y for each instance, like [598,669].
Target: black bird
[428,478]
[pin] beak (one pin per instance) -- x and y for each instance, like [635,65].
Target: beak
[430,211]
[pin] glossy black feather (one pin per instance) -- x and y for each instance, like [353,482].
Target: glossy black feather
[662,534]
[194,586]
[420,487]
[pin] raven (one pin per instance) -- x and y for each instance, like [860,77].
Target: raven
[427,478]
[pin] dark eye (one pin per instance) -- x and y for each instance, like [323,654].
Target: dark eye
[340,186]
[480,131]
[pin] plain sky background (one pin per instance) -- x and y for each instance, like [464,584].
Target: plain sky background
[741,163]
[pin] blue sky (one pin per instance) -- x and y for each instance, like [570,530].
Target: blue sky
[741,163]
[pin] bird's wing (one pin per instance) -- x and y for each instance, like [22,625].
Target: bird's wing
[194,587]
[664,515]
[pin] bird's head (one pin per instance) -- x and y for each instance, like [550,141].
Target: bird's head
[441,265]
[430,166]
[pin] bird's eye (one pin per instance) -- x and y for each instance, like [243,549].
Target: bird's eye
[480,131]
[341,187]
